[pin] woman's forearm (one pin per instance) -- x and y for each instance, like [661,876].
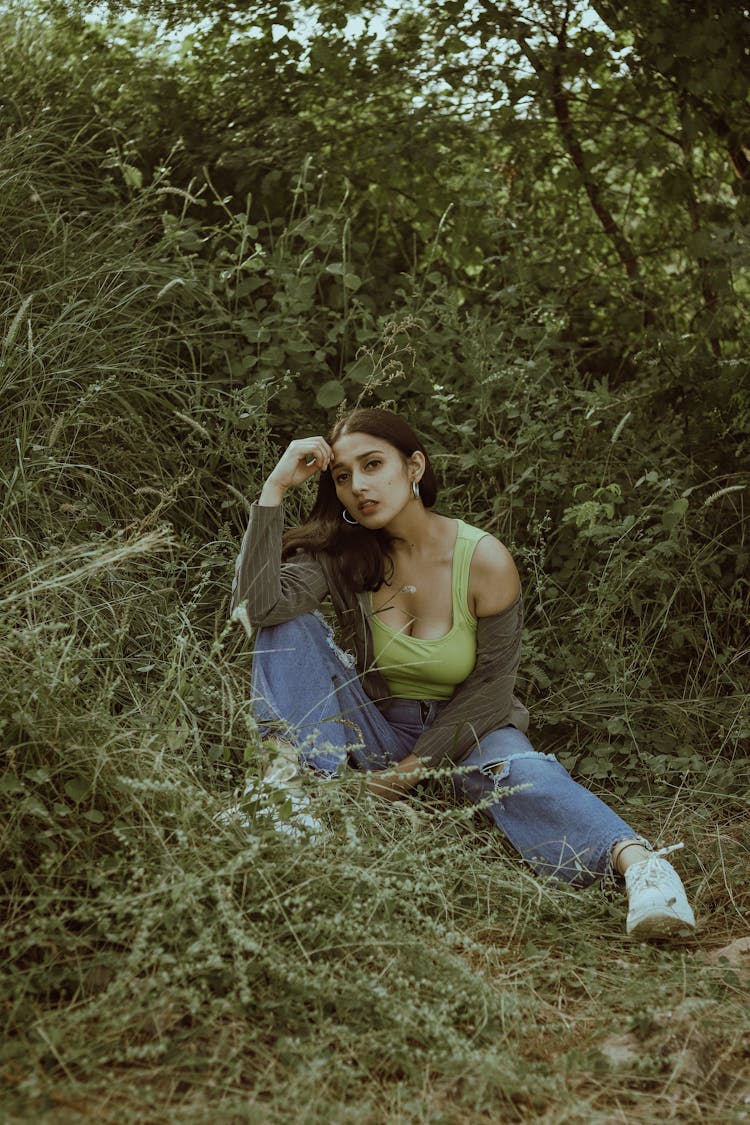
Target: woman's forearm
[397,780]
[271,495]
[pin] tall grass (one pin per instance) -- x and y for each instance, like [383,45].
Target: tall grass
[158,965]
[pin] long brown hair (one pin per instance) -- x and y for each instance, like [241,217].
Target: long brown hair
[360,554]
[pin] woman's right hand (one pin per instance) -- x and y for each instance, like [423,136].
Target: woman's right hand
[298,462]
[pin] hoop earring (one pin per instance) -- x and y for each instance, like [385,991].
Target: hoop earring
[415,489]
[346,518]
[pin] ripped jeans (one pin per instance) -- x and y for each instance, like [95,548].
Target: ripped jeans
[306,690]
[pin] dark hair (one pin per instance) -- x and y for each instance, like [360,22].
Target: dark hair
[360,555]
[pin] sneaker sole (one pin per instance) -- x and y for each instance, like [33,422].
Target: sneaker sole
[662,926]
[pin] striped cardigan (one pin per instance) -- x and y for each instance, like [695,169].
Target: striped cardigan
[273,592]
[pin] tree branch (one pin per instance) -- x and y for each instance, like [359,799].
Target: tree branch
[710,299]
[739,153]
[561,106]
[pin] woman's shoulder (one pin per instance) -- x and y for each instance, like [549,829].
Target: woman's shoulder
[489,550]
[468,531]
[494,584]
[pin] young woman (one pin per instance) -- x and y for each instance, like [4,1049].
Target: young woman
[429,611]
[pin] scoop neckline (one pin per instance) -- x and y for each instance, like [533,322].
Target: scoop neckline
[454,624]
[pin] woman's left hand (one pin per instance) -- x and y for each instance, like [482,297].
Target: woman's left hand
[395,782]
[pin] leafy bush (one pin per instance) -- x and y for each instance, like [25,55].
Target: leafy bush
[160,339]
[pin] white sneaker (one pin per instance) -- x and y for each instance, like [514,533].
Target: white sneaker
[274,797]
[657,903]
[283,802]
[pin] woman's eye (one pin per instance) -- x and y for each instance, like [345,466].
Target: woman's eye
[341,478]
[370,463]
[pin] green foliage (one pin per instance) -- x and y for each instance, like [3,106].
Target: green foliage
[197,268]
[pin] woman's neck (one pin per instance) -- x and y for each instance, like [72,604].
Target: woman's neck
[417,531]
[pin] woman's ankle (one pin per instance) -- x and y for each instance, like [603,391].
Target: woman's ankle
[627,852]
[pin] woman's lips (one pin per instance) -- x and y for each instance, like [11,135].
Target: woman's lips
[367,506]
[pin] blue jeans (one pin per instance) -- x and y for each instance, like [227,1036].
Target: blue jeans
[306,690]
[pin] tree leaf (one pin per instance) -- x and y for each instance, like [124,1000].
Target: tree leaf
[674,513]
[34,806]
[9,783]
[132,176]
[77,788]
[362,370]
[330,394]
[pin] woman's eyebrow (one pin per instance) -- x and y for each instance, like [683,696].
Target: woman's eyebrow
[361,457]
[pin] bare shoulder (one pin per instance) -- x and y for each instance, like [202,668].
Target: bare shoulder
[494,584]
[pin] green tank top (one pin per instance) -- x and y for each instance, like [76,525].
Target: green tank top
[432,669]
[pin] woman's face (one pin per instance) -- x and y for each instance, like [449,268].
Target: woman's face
[373,478]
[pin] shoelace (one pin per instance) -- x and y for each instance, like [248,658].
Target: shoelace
[668,850]
[282,774]
[646,872]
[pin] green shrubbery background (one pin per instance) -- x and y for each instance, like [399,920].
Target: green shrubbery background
[211,247]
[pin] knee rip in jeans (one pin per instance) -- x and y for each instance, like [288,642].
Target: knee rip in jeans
[500,770]
[346,658]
